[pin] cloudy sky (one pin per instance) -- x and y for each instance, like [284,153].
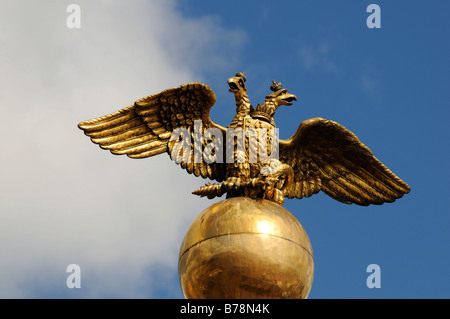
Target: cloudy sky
[65,201]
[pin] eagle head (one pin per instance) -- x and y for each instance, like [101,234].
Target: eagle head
[237,83]
[281,97]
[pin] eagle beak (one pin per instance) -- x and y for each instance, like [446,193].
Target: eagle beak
[289,98]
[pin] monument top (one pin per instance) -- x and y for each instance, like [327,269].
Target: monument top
[322,155]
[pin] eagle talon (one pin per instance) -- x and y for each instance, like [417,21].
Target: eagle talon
[274,195]
[232,183]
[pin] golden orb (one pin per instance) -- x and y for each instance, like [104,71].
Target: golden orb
[245,248]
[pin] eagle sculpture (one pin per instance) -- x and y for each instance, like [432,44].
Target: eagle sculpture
[321,155]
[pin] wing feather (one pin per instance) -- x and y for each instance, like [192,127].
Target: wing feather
[152,152]
[326,156]
[118,136]
[145,128]
[108,121]
[128,142]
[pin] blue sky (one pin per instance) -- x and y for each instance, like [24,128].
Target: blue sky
[390,86]
[64,200]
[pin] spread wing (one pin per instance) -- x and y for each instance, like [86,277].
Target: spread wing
[326,156]
[145,128]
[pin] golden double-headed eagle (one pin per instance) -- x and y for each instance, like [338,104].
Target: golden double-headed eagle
[321,155]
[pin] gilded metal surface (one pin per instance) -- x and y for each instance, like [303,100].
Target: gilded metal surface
[246,248]
[323,155]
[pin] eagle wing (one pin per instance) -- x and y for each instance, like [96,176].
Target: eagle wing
[326,156]
[144,129]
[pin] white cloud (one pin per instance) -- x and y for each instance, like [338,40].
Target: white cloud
[368,84]
[63,199]
[317,56]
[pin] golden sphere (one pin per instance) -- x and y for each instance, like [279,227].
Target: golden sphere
[245,248]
